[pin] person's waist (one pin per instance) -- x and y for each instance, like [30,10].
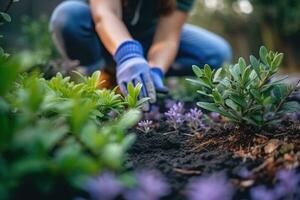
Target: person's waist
[142,28]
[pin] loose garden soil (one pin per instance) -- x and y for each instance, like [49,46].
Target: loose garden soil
[181,156]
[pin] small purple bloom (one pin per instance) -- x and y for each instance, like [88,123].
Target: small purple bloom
[214,187]
[169,103]
[175,116]
[245,173]
[104,187]
[288,182]
[262,193]
[145,126]
[194,119]
[151,186]
[216,117]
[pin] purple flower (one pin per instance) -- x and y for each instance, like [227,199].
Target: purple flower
[288,183]
[216,117]
[104,187]
[214,187]
[175,116]
[150,186]
[245,173]
[169,103]
[262,193]
[194,119]
[145,126]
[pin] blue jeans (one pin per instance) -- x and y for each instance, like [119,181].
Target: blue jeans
[74,34]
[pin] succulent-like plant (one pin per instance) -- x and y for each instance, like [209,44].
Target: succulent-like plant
[245,93]
[194,119]
[175,116]
[132,98]
[58,128]
[145,126]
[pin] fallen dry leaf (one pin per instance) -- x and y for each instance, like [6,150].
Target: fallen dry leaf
[271,146]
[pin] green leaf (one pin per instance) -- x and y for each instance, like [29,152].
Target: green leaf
[217,96]
[213,107]
[235,72]
[199,82]
[255,64]
[246,76]
[290,107]
[277,61]
[256,94]
[207,71]
[263,53]
[5,16]
[238,99]
[131,90]
[242,64]
[198,72]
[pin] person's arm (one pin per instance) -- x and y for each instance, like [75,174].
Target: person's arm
[131,66]
[166,41]
[107,15]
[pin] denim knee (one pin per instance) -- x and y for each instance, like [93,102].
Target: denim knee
[223,53]
[67,16]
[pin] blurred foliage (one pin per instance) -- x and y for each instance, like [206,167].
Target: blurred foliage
[37,38]
[282,15]
[55,133]
[5,18]
[274,23]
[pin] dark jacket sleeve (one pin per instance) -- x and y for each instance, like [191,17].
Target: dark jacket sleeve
[185,5]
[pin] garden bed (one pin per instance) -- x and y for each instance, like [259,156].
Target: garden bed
[248,159]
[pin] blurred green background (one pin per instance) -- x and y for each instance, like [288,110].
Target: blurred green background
[246,24]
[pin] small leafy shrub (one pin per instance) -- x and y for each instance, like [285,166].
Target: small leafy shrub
[55,133]
[245,93]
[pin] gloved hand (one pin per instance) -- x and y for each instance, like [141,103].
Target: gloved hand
[132,67]
[158,77]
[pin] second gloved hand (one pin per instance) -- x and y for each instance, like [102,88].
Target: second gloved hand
[132,67]
[158,77]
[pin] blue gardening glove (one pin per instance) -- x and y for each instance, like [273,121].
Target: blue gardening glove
[132,67]
[158,77]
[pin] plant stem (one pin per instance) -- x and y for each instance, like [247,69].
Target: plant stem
[8,6]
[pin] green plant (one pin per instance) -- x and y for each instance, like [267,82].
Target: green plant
[245,93]
[55,133]
[132,99]
[5,18]
[37,39]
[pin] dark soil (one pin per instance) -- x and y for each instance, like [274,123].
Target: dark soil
[180,156]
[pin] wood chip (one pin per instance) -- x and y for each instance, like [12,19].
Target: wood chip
[247,183]
[187,171]
[271,146]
